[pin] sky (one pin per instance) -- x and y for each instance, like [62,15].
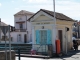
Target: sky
[8,8]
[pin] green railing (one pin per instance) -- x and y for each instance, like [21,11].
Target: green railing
[24,49]
[40,48]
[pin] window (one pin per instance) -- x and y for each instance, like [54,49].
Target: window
[43,37]
[21,26]
[11,38]
[19,37]
[20,18]
[6,38]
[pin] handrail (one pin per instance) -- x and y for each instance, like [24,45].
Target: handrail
[38,47]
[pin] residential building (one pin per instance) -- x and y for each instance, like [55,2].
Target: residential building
[21,32]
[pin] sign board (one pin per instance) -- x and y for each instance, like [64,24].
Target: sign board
[40,23]
[4,29]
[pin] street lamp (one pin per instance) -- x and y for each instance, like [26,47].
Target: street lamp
[54,18]
[54,8]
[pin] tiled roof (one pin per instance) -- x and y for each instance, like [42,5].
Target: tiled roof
[3,24]
[59,16]
[23,12]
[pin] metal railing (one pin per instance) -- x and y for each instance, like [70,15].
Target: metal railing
[41,48]
[24,49]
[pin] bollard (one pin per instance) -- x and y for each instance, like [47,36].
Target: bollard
[19,53]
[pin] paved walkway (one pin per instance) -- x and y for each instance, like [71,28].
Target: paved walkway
[72,55]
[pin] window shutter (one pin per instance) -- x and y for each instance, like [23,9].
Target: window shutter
[37,37]
[49,37]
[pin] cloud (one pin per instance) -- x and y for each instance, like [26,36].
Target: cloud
[39,1]
[68,7]
[12,1]
[23,0]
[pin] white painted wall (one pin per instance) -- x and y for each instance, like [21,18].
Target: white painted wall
[24,18]
[15,37]
[16,19]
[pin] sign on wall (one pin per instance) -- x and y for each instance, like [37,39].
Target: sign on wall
[40,23]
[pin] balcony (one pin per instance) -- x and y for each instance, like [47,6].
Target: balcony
[20,30]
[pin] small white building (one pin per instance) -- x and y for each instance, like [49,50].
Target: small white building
[43,31]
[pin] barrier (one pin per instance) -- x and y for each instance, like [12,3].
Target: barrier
[3,57]
[58,48]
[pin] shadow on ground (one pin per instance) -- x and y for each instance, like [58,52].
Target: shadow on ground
[69,54]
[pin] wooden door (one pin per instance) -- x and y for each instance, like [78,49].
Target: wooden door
[60,37]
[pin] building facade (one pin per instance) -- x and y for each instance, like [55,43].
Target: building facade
[22,28]
[43,31]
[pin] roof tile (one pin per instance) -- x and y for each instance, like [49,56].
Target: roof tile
[59,16]
[23,12]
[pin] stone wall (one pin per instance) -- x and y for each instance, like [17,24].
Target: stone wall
[3,55]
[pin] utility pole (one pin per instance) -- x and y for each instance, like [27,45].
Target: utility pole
[5,45]
[54,18]
[9,41]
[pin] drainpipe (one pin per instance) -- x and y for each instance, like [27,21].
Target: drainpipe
[66,38]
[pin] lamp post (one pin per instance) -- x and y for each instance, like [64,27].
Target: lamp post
[54,18]
[54,8]
[9,41]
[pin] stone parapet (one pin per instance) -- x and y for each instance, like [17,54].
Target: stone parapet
[3,55]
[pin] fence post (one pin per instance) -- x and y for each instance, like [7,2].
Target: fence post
[19,53]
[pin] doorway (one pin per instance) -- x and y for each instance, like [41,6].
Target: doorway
[43,36]
[25,38]
[60,36]
[19,37]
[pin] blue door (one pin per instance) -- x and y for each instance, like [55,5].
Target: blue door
[37,36]
[49,37]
